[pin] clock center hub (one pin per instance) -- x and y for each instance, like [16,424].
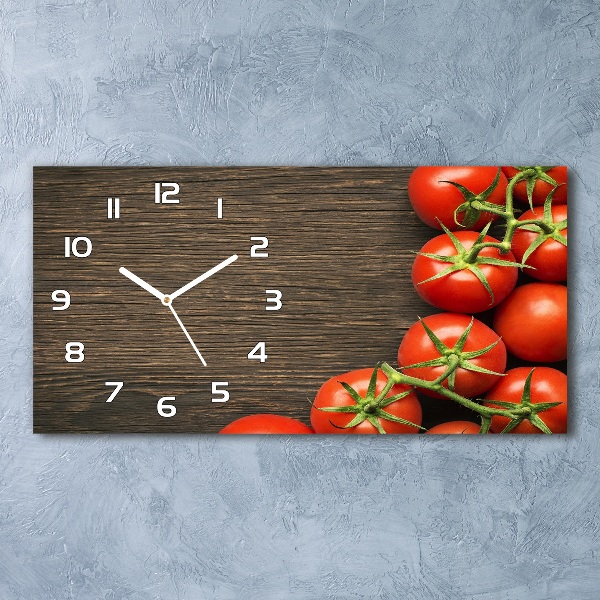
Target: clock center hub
[166,300]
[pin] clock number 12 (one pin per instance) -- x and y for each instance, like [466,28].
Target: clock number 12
[163,196]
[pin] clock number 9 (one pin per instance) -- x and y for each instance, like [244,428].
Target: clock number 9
[257,250]
[61,296]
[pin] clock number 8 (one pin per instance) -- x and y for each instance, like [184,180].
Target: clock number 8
[74,352]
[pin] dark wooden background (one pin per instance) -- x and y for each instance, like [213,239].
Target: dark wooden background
[340,242]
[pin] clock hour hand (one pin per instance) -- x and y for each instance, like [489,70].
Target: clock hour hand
[204,276]
[189,337]
[141,283]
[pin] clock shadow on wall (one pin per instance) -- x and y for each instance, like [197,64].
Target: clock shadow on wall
[320,285]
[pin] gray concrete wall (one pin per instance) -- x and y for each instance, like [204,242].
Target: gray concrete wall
[271,82]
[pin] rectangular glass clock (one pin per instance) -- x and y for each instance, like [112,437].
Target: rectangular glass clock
[187,299]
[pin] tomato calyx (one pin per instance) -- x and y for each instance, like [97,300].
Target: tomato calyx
[525,409]
[371,407]
[546,228]
[532,175]
[474,203]
[470,259]
[453,357]
[515,412]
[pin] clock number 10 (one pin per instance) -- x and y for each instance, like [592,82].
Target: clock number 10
[79,247]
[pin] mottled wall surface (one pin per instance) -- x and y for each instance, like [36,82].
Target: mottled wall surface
[271,82]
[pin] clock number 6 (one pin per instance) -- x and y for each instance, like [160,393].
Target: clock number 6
[166,410]
[257,250]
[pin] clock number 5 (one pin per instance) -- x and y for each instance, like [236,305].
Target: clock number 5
[219,391]
[257,250]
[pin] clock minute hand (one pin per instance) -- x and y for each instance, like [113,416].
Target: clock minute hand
[204,276]
[189,337]
[141,283]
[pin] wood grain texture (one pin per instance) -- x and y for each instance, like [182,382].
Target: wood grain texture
[340,242]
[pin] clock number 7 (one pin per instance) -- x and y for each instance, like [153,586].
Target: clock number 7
[118,385]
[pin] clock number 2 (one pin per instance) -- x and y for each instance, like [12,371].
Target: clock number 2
[257,250]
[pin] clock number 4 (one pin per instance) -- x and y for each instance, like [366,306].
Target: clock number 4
[164,191]
[259,352]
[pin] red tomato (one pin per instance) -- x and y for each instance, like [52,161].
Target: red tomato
[550,258]
[461,291]
[432,199]
[533,322]
[417,347]
[260,424]
[541,188]
[547,385]
[333,394]
[455,427]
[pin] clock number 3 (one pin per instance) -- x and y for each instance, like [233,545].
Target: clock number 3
[274,302]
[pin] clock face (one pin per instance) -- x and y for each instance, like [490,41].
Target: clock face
[179,299]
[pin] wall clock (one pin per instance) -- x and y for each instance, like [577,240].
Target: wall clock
[178,299]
